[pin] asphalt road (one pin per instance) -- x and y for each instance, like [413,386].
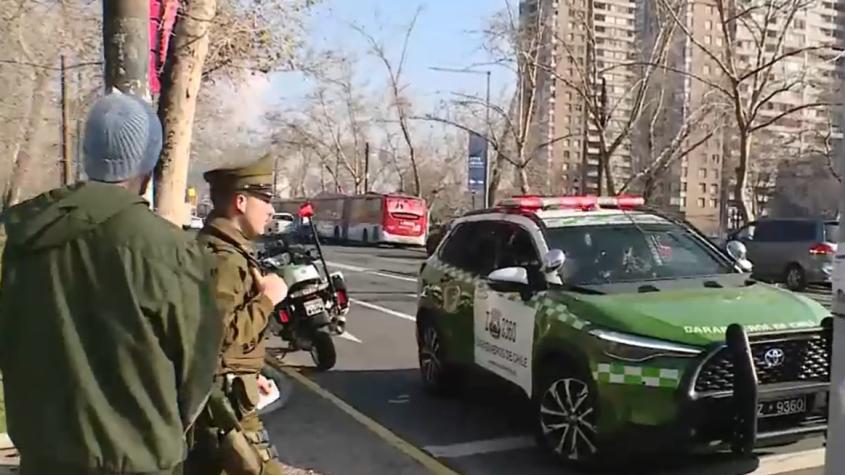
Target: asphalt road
[483,431]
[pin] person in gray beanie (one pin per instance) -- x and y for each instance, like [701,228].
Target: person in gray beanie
[109,335]
[122,139]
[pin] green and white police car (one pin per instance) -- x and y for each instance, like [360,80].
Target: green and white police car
[629,330]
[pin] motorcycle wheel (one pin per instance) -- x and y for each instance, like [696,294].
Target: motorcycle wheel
[323,351]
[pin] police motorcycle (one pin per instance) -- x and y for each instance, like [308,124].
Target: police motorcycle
[315,308]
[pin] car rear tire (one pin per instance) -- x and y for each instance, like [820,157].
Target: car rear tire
[566,415]
[438,376]
[795,277]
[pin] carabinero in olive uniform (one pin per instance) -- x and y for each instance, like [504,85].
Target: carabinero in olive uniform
[241,199]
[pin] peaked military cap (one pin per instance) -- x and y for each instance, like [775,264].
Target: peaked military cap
[255,177]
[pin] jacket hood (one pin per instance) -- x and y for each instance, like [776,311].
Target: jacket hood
[701,316]
[63,214]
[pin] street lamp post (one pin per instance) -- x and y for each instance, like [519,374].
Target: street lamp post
[488,128]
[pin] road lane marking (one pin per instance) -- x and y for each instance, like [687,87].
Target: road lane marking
[364,270]
[785,463]
[348,336]
[424,459]
[478,447]
[386,310]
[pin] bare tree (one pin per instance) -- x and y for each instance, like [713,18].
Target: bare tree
[258,37]
[334,121]
[183,74]
[400,103]
[29,70]
[666,133]
[516,136]
[249,39]
[612,107]
[757,65]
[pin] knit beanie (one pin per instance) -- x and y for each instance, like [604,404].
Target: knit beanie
[123,138]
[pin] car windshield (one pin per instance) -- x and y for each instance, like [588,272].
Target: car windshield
[603,254]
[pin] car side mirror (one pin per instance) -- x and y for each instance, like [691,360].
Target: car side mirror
[738,251]
[553,260]
[508,279]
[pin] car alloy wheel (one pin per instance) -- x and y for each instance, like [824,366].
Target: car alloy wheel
[429,360]
[567,419]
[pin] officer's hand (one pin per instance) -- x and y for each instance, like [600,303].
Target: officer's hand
[271,285]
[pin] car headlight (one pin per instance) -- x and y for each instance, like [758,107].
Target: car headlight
[628,347]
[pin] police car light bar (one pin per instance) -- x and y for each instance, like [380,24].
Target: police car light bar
[532,203]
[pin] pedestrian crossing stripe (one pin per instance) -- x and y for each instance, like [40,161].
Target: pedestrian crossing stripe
[617,373]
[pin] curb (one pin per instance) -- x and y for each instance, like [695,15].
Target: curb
[5,441]
[428,461]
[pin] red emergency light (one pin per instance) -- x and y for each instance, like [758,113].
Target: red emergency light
[533,203]
[306,210]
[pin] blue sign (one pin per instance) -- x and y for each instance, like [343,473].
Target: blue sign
[477,163]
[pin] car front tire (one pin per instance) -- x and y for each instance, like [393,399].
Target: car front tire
[566,417]
[438,376]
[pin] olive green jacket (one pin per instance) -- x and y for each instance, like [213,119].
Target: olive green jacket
[245,310]
[108,332]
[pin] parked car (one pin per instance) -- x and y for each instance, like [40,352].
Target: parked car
[797,252]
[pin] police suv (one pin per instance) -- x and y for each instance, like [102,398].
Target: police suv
[628,329]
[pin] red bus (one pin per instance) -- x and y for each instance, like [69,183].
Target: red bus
[372,218]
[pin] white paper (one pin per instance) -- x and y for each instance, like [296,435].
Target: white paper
[266,399]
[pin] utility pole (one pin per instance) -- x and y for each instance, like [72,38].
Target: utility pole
[366,167]
[488,128]
[67,169]
[126,48]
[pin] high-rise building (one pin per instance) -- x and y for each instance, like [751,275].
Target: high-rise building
[586,73]
[699,185]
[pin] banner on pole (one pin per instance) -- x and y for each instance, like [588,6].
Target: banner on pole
[162,19]
[477,163]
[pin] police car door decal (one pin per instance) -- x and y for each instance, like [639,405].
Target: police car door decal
[504,335]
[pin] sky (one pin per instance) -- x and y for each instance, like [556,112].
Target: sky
[446,35]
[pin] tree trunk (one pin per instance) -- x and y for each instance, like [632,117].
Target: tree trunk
[743,197]
[183,74]
[413,157]
[25,150]
[648,188]
[523,181]
[608,176]
[495,178]
[126,46]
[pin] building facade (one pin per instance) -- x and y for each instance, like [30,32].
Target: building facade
[792,68]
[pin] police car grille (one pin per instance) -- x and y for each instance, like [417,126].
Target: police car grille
[805,358]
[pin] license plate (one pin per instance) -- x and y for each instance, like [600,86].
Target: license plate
[313,307]
[782,407]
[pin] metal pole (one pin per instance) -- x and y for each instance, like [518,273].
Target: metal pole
[67,176]
[487,203]
[834,455]
[366,167]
